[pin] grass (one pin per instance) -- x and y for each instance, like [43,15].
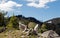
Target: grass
[13,34]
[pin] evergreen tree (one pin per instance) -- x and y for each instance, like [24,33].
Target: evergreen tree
[2,19]
[13,23]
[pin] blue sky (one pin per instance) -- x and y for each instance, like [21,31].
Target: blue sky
[39,9]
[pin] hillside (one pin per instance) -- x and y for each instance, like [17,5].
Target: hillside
[19,25]
[54,24]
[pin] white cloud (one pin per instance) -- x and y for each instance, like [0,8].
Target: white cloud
[8,6]
[41,3]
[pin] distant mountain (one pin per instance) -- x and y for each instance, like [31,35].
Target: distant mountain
[54,24]
[30,19]
[54,21]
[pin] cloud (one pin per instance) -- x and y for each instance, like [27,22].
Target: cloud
[40,4]
[8,6]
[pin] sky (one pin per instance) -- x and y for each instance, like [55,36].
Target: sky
[42,10]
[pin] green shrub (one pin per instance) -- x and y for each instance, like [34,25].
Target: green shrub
[43,28]
[31,25]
